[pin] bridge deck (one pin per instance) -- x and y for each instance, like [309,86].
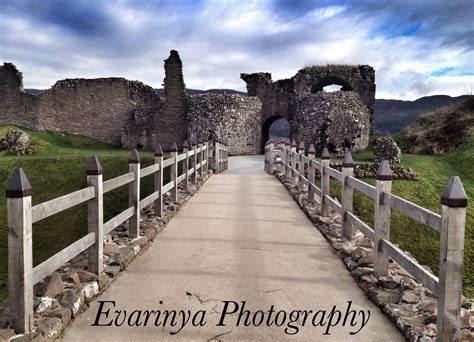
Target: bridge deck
[241,238]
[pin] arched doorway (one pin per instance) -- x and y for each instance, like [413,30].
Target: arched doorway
[277,127]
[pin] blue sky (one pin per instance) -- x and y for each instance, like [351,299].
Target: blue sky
[417,47]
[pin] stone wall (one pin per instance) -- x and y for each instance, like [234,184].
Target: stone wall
[337,120]
[234,119]
[12,97]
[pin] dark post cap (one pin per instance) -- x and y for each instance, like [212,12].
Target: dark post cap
[348,161]
[159,151]
[174,147]
[94,168]
[454,194]
[186,145]
[271,140]
[325,155]
[206,139]
[384,172]
[301,146]
[134,157]
[287,142]
[311,149]
[19,186]
[293,143]
[193,142]
[199,141]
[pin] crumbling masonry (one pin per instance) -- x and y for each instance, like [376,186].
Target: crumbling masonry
[129,113]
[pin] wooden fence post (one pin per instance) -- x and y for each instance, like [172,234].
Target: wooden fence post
[20,252]
[311,171]
[158,206]
[383,184]
[134,195]
[325,181]
[453,220]
[216,156]
[200,157]
[271,147]
[206,155]
[347,195]
[174,172]
[287,157]
[293,161]
[301,154]
[186,164]
[95,216]
[265,157]
[194,158]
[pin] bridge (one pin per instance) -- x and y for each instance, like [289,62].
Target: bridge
[241,260]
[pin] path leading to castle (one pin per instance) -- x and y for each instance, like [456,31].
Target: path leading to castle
[241,238]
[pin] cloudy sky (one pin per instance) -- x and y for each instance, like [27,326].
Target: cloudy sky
[418,47]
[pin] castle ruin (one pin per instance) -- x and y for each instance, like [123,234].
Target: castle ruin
[129,113]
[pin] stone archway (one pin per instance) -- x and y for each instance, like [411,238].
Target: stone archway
[278,125]
[331,80]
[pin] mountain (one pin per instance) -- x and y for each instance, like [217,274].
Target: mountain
[32,91]
[394,115]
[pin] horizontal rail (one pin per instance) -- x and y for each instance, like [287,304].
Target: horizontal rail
[149,170]
[316,190]
[47,267]
[314,162]
[191,153]
[334,173]
[168,162]
[361,186]
[191,171]
[181,156]
[333,204]
[168,187]
[56,205]
[414,211]
[117,220]
[149,199]
[411,265]
[181,178]
[117,182]
[361,225]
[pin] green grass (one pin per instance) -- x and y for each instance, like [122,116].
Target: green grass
[434,172]
[58,169]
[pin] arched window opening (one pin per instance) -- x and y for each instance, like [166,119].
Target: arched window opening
[332,88]
[331,84]
[276,127]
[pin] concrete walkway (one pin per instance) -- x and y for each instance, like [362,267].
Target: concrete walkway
[242,238]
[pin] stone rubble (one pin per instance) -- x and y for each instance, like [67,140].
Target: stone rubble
[408,304]
[16,141]
[387,149]
[67,292]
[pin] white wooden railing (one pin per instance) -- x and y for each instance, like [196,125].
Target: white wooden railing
[450,224]
[22,276]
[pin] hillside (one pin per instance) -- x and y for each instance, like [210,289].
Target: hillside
[394,115]
[443,130]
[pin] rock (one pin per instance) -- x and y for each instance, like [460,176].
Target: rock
[73,299]
[112,271]
[124,257]
[110,248]
[366,260]
[90,290]
[51,286]
[383,297]
[86,276]
[465,335]
[141,241]
[367,282]
[389,282]
[465,318]
[410,296]
[6,334]
[359,272]
[104,281]
[16,141]
[347,250]
[64,314]
[409,283]
[45,304]
[358,253]
[71,277]
[50,327]
[387,149]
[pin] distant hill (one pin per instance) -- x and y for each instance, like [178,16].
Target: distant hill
[394,115]
[33,91]
[442,130]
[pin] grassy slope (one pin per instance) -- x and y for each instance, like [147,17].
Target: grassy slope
[58,169]
[434,172]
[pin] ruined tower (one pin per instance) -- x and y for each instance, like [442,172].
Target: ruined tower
[172,124]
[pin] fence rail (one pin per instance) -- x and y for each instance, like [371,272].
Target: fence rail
[450,224]
[22,276]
